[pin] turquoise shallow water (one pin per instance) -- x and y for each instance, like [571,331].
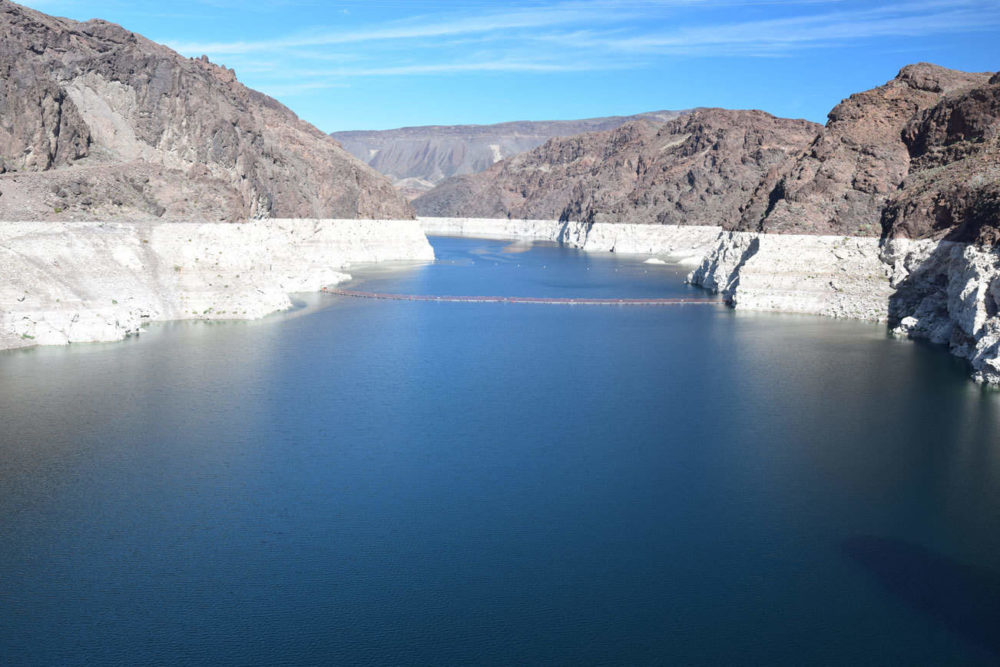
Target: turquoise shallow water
[379,482]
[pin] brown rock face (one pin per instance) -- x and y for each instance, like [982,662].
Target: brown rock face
[918,157]
[697,169]
[953,187]
[89,110]
[843,181]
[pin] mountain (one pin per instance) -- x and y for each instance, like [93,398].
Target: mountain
[861,160]
[418,158]
[952,187]
[97,122]
[916,158]
[695,169]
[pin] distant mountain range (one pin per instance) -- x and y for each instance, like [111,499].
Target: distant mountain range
[917,157]
[418,158]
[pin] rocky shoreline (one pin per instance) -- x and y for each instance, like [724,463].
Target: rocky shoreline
[682,244]
[941,291]
[88,281]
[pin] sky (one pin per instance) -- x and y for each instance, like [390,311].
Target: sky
[379,64]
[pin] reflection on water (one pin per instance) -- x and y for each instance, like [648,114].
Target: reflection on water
[395,482]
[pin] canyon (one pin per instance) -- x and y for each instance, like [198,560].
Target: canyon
[158,187]
[890,212]
[945,292]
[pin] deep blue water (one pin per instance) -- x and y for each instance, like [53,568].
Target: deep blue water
[444,483]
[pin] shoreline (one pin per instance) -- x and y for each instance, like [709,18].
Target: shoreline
[943,292]
[75,282]
[78,282]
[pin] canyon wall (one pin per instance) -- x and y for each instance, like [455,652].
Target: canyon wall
[942,291]
[88,281]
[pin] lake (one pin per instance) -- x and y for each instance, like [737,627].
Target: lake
[386,482]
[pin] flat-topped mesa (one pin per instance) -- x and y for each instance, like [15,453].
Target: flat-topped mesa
[97,122]
[697,169]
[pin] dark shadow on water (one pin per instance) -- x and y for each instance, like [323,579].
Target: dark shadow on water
[964,598]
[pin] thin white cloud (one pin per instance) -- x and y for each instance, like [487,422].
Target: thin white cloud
[446,68]
[605,30]
[775,35]
[579,36]
[415,29]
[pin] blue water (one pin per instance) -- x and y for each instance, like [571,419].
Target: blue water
[380,482]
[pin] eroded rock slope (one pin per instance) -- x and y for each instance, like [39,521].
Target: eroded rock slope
[915,158]
[97,122]
[843,182]
[696,169]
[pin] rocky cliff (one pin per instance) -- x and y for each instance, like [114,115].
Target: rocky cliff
[697,169]
[945,292]
[418,158]
[952,186]
[97,122]
[845,179]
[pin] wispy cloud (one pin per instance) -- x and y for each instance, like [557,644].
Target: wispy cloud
[429,27]
[774,36]
[608,29]
[552,36]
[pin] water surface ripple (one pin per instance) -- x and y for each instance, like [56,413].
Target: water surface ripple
[385,482]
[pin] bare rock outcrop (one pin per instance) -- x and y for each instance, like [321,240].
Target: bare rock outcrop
[698,169]
[915,158]
[952,190]
[90,98]
[842,182]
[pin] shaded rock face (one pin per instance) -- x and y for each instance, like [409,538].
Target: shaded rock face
[952,190]
[845,178]
[95,97]
[698,169]
[418,158]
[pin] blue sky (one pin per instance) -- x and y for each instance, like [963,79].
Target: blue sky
[377,64]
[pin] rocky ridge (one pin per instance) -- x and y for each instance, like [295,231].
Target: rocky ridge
[843,182]
[952,188]
[914,158]
[418,158]
[99,123]
[696,169]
